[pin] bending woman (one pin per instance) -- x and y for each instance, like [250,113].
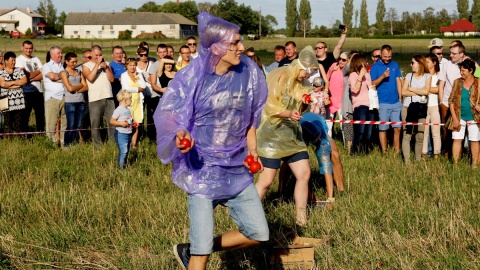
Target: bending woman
[280,135]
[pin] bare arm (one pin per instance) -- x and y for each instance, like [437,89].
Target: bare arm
[399,88]
[441,87]
[252,146]
[321,69]
[338,48]
[13,84]
[68,85]
[153,82]
[116,123]
[84,85]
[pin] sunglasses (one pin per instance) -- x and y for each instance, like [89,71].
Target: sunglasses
[438,53]
[89,57]
[412,63]
[192,44]
[343,59]
[143,54]
[376,56]
[319,48]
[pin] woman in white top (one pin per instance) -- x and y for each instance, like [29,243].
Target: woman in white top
[433,112]
[133,82]
[415,89]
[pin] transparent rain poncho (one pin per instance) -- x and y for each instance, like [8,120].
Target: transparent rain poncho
[315,132]
[217,110]
[281,137]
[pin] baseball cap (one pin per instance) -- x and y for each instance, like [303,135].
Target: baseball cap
[435,42]
[318,81]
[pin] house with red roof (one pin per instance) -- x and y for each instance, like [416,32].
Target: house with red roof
[462,27]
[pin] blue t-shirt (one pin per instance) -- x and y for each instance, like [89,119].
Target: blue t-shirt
[465,107]
[387,90]
[117,69]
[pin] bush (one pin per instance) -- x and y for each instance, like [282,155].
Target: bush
[28,32]
[127,34]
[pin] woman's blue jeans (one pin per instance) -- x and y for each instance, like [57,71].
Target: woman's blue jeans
[74,113]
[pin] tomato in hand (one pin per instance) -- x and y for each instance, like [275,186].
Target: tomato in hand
[307,98]
[249,160]
[255,167]
[186,143]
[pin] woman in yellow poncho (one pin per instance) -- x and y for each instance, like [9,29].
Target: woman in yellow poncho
[280,135]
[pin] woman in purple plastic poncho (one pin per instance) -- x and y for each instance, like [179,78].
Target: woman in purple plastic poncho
[215,102]
[280,134]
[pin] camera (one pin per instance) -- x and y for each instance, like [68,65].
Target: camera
[103,60]
[342,27]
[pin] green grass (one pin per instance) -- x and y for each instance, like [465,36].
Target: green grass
[76,209]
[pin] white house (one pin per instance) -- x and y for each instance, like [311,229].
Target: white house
[109,24]
[461,28]
[20,19]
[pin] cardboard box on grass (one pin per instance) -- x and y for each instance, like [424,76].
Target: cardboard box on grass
[300,254]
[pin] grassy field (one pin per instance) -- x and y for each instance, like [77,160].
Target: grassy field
[75,210]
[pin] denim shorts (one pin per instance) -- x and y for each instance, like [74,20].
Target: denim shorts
[274,163]
[246,211]
[390,112]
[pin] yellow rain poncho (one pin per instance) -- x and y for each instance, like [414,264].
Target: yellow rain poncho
[281,137]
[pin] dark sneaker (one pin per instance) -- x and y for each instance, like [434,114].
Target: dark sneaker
[182,253]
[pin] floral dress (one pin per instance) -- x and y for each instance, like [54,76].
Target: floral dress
[16,100]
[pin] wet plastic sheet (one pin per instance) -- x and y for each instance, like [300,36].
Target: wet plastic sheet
[281,137]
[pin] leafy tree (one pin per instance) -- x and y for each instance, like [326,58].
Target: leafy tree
[207,7]
[348,13]
[291,18]
[443,18]
[476,13]
[149,7]
[380,15]
[363,18]
[392,18]
[61,22]
[462,7]
[129,9]
[49,13]
[305,17]
[268,24]
[405,21]
[416,21]
[356,22]
[28,32]
[188,9]
[429,21]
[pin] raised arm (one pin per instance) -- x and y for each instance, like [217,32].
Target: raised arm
[338,48]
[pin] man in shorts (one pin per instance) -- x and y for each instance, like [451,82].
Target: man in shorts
[386,76]
[215,102]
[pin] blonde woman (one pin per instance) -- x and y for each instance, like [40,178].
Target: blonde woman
[134,82]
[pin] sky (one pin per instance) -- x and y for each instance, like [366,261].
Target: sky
[324,12]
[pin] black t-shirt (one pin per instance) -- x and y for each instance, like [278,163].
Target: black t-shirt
[286,62]
[327,62]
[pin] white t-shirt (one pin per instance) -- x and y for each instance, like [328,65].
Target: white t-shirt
[30,65]
[418,83]
[449,72]
[433,98]
[101,87]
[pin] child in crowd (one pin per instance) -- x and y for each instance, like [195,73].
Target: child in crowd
[320,97]
[123,120]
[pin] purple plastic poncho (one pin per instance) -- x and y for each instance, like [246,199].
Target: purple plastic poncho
[217,110]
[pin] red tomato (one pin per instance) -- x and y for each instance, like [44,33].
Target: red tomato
[249,159]
[134,125]
[255,167]
[185,143]
[307,98]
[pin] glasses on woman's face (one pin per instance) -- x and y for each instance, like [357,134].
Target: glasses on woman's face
[143,55]
[343,60]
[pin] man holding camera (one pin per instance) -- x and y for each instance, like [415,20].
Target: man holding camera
[99,77]
[325,58]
